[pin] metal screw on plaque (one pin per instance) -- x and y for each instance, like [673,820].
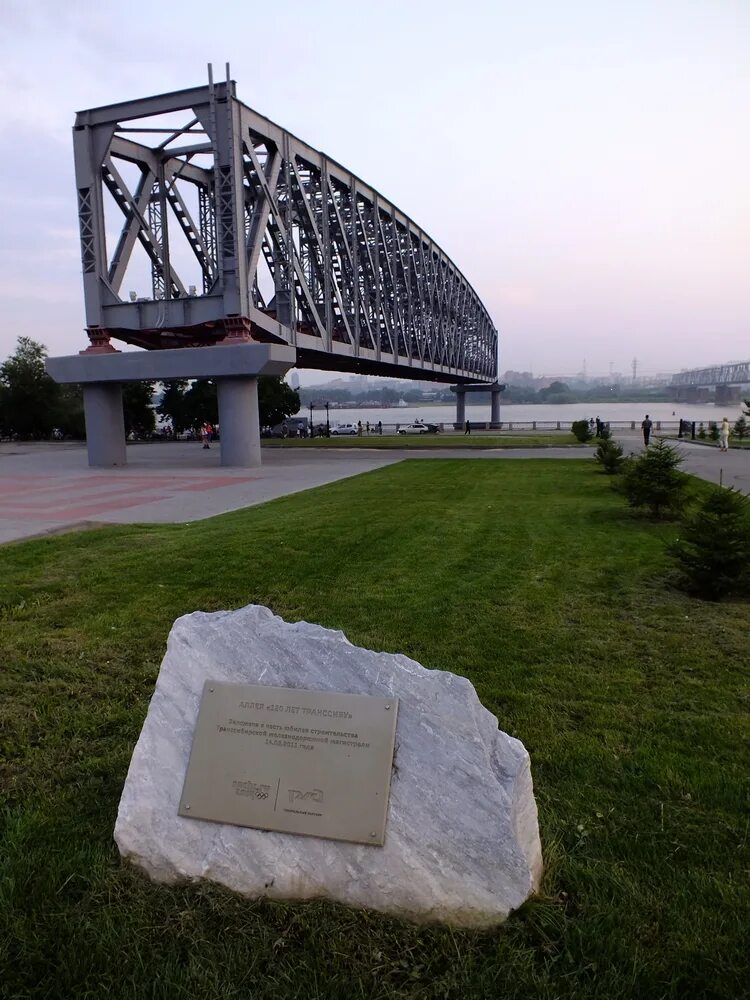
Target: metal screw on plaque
[211,690]
[187,806]
[387,707]
[373,834]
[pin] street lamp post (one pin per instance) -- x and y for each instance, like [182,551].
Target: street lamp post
[328,423]
[311,420]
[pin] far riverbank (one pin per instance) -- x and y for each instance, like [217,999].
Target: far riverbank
[445,413]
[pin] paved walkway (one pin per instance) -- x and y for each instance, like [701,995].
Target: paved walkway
[731,468]
[48,488]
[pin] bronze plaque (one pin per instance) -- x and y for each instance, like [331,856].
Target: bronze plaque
[308,762]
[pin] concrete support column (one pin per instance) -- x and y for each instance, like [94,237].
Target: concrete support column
[728,394]
[105,423]
[495,409]
[239,422]
[460,407]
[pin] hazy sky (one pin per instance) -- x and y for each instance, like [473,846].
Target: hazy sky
[586,164]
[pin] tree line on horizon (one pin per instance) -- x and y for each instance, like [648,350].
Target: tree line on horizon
[35,407]
[555,394]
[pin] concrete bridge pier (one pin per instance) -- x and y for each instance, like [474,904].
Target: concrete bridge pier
[728,394]
[460,405]
[105,424]
[494,388]
[495,409]
[239,422]
[693,394]
[234,367]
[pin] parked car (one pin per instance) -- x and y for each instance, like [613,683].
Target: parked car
[419,428]
[344,429]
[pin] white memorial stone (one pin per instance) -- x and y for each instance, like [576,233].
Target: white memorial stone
[462,839]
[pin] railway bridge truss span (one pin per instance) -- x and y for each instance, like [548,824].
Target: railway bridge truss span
[732,373]
[202,222]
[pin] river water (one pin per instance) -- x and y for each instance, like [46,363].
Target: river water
[524,412]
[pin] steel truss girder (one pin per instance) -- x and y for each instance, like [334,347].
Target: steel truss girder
[734,373]
[284,238]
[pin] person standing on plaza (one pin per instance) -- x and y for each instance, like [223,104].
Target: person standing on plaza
[467,428]
[205,435]
[646,426]
[724,435]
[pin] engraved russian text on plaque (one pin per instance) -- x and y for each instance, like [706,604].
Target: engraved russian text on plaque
[307,762]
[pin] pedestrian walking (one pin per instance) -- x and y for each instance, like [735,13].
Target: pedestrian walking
[646,426]
[359,428]
[380,427]
[205,436]
[724,435]
[467,428]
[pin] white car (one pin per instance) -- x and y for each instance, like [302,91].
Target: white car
[344,429]
[414,429]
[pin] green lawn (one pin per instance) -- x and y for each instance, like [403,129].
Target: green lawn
[528,577]
[478,439]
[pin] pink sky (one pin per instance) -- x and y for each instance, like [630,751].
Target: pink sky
[586,165]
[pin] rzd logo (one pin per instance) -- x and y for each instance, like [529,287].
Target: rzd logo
[295,795]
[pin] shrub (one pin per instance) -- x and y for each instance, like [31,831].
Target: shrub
[653,481]
[702,432]
[713,430]
[742,428]
[581,430]
[713,550]
[609,455]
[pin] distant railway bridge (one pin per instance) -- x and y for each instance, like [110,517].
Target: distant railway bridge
[727,379]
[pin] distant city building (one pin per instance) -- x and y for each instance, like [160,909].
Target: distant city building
[585,379]
[524,379]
